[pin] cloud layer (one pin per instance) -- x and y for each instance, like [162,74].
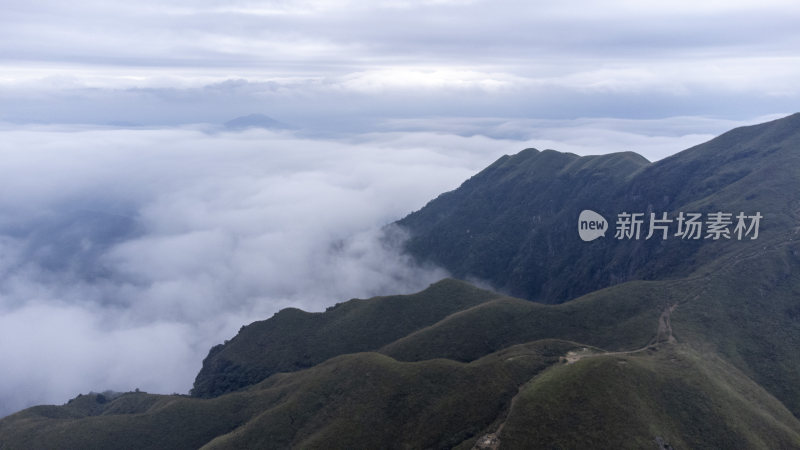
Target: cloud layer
[126,254]
[340,64]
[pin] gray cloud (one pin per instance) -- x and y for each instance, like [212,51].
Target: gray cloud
[126,254]
[334,33]
[340,64]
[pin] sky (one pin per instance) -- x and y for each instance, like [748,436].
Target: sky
[338,65]
[137,230]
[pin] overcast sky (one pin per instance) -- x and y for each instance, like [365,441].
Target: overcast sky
[136,232]
[339,64]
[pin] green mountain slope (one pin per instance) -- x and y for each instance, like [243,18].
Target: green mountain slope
[686,399]
[744,307]
[294,339]
[345,402]
[367,400]
[514,224]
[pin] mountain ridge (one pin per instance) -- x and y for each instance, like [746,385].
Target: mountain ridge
[502,233]
[358,325]
[254,121]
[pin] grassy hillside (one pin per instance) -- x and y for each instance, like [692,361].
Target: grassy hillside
[744,308]
[621,317]
[294,339]
[688,399]
[514,224]
[345,402]
[748,311]
[368,400]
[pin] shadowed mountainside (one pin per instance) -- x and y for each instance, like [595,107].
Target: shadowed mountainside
[513,224]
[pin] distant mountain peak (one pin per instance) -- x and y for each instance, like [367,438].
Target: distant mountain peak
[254,121]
